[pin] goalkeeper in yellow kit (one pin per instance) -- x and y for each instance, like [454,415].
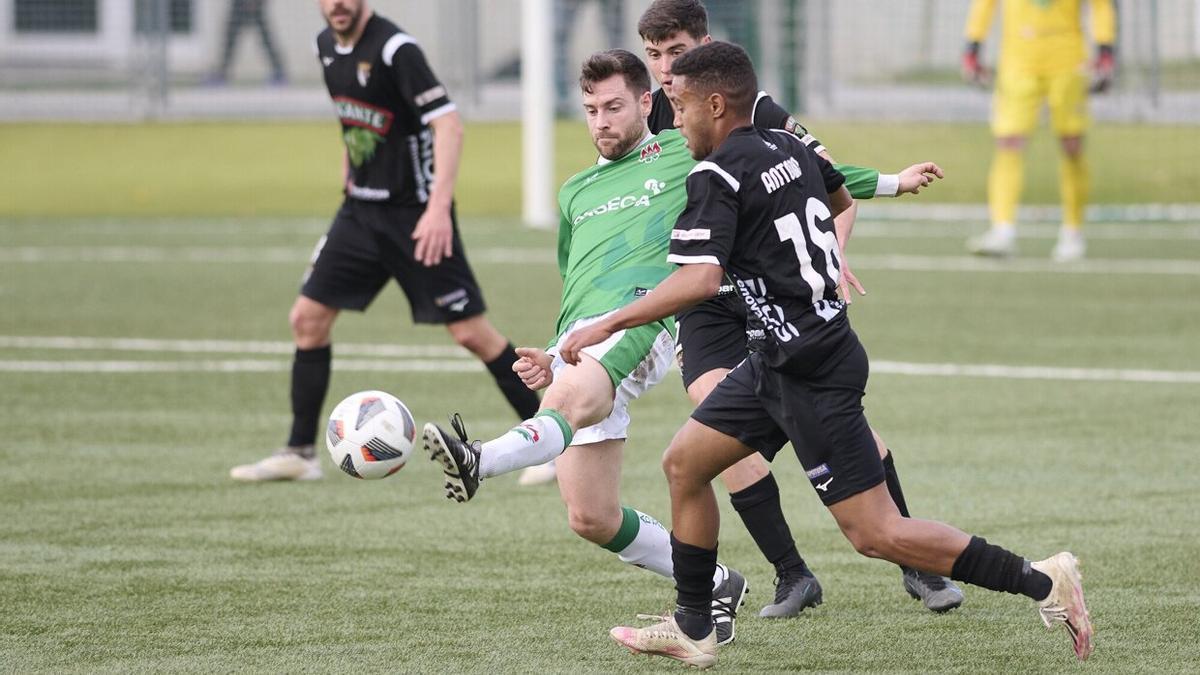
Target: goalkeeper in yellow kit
[1043,57]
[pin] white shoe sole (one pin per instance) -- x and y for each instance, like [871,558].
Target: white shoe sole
[435,445]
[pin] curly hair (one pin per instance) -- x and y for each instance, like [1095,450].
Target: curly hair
[723,68]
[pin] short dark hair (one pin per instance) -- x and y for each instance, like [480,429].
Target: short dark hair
[723,68]
[603,65]
[665,18]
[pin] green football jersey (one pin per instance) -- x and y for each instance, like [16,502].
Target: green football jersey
[615,221]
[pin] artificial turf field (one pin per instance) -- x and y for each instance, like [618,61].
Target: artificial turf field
[142,356]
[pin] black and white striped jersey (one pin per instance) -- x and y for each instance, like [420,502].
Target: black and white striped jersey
[385,96]
[767,114]
[758,206]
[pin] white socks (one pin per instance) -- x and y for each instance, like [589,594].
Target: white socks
[537,440]
[643,542]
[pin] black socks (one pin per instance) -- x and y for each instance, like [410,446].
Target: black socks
[693,587]
[995,568]
[521,398]
[761,512]
[310,382]
[893,484]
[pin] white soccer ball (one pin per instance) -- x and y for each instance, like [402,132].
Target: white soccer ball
[370,434]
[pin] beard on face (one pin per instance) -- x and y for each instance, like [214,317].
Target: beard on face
[625,141]
[352,13]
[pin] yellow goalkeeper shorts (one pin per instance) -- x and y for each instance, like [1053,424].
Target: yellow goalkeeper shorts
[1019,96]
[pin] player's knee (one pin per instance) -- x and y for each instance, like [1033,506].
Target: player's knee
[677,467]
[870,540]
[595,525]
[309,329]
[475,336]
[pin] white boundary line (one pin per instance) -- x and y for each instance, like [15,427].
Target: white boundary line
[432,359]
[544,256]
[235,366]
[223,346]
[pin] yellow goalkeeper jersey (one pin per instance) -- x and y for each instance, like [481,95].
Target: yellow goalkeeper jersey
[1043,36]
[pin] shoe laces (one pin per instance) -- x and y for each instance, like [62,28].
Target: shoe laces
[721,607]
[787,580]
[935,582]
[665,629]
[460,427]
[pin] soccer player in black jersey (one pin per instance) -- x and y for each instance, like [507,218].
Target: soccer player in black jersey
[760,209]
[397,222]
[712,336]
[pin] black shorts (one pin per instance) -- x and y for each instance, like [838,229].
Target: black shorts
[711,335]
[821,414]
[371,242]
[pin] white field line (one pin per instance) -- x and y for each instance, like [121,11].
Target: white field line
[224,346]
[543,256]
[237,366]
[918,229]
[431,358]
[966,263]
[1035,372]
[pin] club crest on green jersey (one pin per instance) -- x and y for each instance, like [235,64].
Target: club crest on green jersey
[650,153]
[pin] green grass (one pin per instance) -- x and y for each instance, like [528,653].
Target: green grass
[125,548]
[293,169]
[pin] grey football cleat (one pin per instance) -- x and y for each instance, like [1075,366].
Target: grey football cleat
[793,593]
[937,593]
[459,459]
[727,598]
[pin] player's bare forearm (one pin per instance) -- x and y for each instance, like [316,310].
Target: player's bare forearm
[447,153]
[683,288]
[840,200]
[843,223]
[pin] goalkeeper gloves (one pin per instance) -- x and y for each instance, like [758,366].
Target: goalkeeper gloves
[1103,68]
[973,71]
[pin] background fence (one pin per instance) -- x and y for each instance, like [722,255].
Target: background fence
[851,59]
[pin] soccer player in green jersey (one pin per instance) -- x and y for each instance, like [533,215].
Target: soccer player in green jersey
[616,221]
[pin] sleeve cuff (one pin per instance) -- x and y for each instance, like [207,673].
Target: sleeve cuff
[887,185]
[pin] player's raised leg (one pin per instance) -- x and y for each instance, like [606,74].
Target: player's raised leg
[593,393]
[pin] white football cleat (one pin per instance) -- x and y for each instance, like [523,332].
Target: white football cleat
[1065,603]
[997,242]
[666,639]
[1070,247]
[285,464]
[538,475]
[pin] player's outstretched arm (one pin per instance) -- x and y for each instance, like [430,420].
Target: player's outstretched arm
[683,288]
[533,367]
[918,176]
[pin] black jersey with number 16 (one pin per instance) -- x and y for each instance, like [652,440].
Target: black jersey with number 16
[758,206]
[385,95]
